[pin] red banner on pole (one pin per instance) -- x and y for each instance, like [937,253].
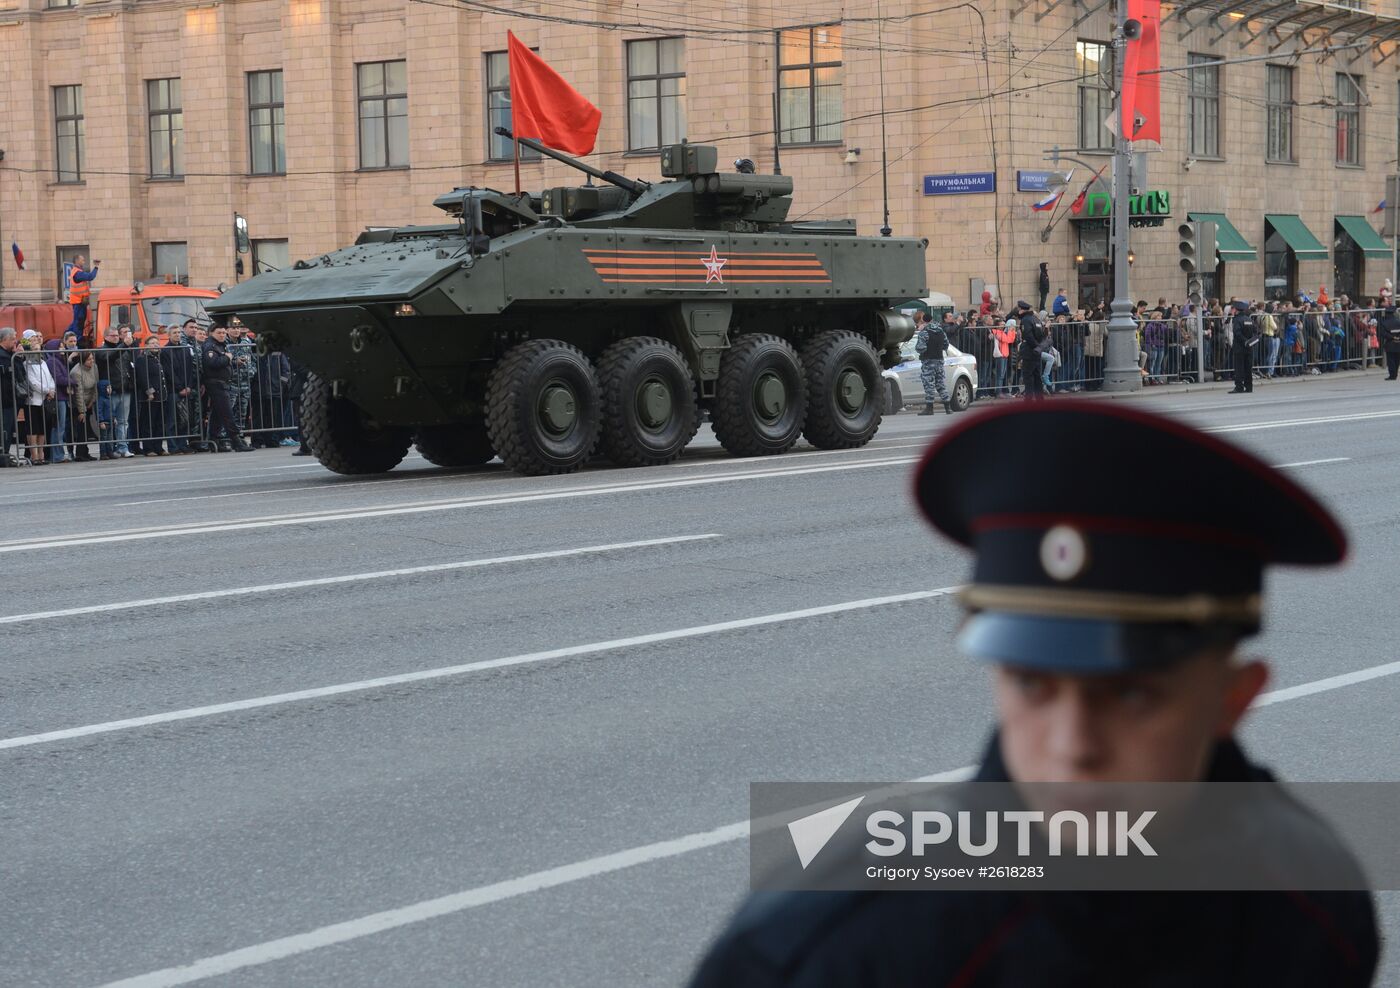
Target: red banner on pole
[545,107]
[1141,100]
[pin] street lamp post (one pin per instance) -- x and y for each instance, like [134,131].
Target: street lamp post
[1121,356]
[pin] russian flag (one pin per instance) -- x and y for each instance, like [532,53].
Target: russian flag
[1048,202]
[19,254]
[1379,208]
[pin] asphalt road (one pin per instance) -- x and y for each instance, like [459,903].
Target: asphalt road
[263,725]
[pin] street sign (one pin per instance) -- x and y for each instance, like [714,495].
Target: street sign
[960,184]
[1039,181]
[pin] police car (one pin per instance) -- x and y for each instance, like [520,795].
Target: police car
[904,386]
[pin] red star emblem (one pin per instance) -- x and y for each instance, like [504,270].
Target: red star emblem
[714,266]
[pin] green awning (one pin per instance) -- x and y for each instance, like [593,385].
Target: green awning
[1297,235]
[1228,241]
[1365,236]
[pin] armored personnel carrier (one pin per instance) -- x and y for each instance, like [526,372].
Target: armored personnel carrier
[545,327]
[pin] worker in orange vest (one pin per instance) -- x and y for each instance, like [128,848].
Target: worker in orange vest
[79,289]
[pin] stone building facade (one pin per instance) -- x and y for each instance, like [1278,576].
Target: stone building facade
[314,119]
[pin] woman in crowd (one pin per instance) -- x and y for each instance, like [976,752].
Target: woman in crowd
[1004,339]
[42,395]
[150,398]
[58,367]
[82,403]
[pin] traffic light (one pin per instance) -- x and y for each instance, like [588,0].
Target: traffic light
[1196,247]
[1189,247]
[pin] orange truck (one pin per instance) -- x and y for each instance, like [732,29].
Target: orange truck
[146,308]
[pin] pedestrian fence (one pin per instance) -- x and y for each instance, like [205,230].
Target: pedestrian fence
[1183,350]
[115,402]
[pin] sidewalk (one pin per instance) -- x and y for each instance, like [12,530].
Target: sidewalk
[1225,387]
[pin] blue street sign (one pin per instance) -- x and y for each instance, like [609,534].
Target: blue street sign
[956,185]
[1034,181]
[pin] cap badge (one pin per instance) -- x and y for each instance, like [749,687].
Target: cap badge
[1063,553]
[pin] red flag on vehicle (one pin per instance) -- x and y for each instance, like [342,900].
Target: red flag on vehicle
[1142,92]
[545,107]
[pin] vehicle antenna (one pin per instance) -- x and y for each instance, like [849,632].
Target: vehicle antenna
[885,230]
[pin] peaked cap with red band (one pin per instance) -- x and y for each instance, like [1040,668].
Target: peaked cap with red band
[1108,538]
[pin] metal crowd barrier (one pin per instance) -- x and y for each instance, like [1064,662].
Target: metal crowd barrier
[156,406]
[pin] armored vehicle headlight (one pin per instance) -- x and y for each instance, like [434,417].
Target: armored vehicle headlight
[405,309]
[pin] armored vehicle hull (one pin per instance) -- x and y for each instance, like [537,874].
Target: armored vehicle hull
[545,328]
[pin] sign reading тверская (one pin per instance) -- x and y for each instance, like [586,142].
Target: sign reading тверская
[953,185]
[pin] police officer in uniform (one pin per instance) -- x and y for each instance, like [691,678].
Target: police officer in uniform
[1034,342]
[1388,331]
[931,344]
[216,365]
[1246,332]
[1108,609]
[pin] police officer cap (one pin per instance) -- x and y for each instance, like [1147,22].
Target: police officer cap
[1109,539]
[1240,305]
[1020,304]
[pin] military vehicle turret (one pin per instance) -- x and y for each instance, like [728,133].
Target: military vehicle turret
[542,327]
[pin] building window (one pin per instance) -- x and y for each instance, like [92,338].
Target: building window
[1203,110]
[167,128]
[1348,119]
[1280,113]
[383,97]
[267,123]
[1094,63]
[1280,266]
[68,132]
[809,84]
[55,4]
[269,255]
[655,93]
[498,109]
[170,262]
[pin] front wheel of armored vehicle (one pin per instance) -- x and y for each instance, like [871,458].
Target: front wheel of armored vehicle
[845,392]
[760,397]
[343,438]
[461,444]
[649,412]
[543,408]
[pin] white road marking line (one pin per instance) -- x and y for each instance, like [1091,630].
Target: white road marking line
[1255,426]
[97,538]
[333,485]
[327,581]
[1330,683]
[308,518]
[442,672]
[1312,463]
[485,895]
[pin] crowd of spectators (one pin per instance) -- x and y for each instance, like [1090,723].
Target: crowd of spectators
[62,399]
[1303,336]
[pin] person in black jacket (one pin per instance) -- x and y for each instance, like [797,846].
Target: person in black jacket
[1246,332]
[116,370]
[151,393]
[1035,340]
[296,386]
[931,344]
[1043,284]
[1388,332]
[1108,612]
[177,360]
[9,397]
[216,365]
[271,375]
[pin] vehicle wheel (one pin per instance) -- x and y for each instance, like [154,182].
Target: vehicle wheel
[649,409]
[962,395]
[760,397]
[460,444]
[343,438]
[844,399]
[894,398]
[542,408]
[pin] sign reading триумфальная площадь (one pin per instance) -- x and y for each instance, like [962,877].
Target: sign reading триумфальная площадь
[1061,837]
